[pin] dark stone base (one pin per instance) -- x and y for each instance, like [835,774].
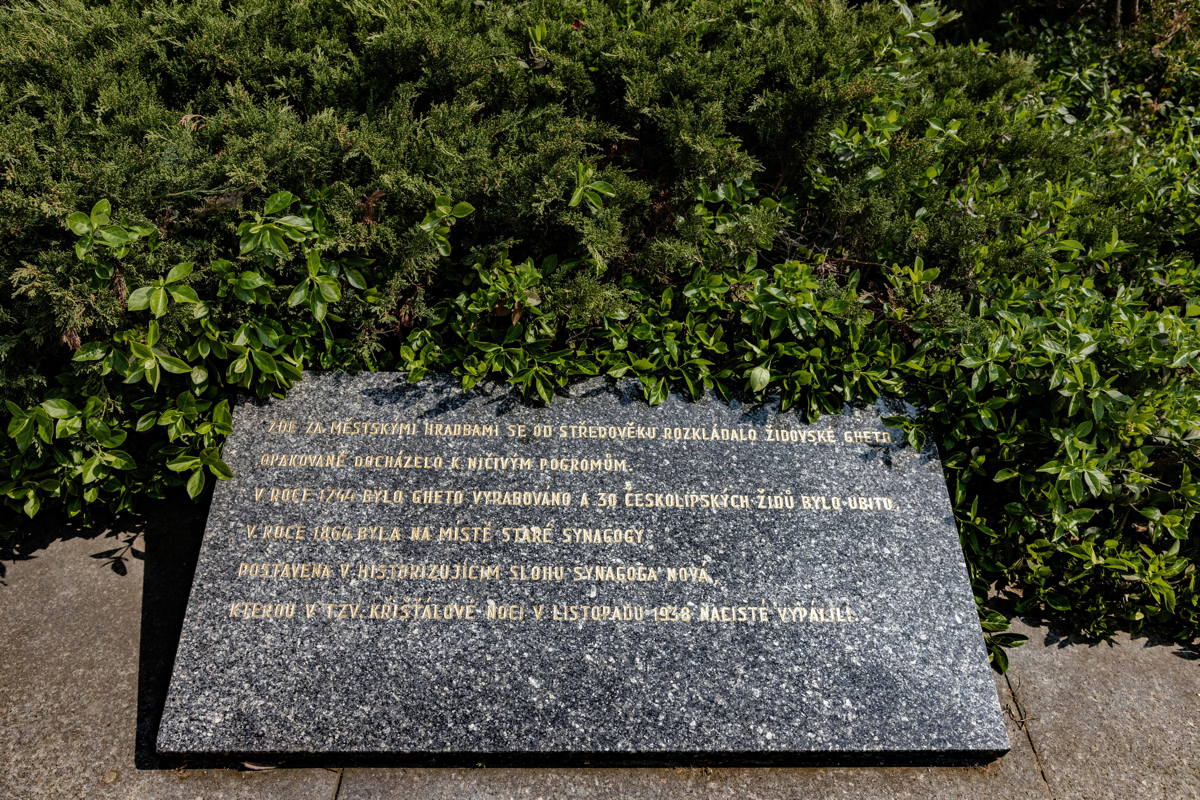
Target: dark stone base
[598,760]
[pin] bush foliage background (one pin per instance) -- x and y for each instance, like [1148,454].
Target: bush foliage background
[810,199]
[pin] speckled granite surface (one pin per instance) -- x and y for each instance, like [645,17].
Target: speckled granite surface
[407,569]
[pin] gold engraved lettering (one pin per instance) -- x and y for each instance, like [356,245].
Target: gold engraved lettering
[464,571]
[274,494]
[671,614]
[284,570]
[867,437]
[602,535]
[379,533]
[302,460]
[532,498]
[800,436]
[618,574]
[507,612]
[751,614]
[342,610]
[493,462]
[775,502]
[465,533]
[820,502]
[406,610]
[527,535]
[331,533]
[461,429]
[601,613]
[400,460]
[277,532]
[241,609]
[606,464]
[583,430]
[529,431]
[383,496]
[437,497]
[537,572]
[356,427]
[410,610]
[815,614]
[688,575]
[870,503]
[703,500]
[711,434]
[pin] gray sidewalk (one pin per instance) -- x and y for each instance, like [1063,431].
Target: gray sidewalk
[1085,721]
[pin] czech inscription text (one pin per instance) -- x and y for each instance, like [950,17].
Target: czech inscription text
[565,523]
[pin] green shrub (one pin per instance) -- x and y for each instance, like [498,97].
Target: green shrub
[801,199]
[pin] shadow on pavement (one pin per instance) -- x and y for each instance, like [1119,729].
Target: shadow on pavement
[1056,638]
[1061,631]
[166,536]
[172,537]
[28,537]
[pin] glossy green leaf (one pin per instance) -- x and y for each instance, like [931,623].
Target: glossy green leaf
[179,272]
[140,298]
[79,223]
[158,301]
[278,202]
[100,213]
[264,361]
[59,408]
[760,376]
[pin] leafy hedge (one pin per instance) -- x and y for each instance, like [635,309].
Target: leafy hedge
[797,198]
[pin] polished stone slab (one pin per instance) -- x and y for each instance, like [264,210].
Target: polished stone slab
[409,573]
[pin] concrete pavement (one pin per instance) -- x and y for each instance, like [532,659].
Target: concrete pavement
[1085,720]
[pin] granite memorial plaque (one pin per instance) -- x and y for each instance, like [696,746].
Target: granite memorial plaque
[438,577]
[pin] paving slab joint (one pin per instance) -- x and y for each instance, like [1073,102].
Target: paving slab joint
[1022,719]
[337,785]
